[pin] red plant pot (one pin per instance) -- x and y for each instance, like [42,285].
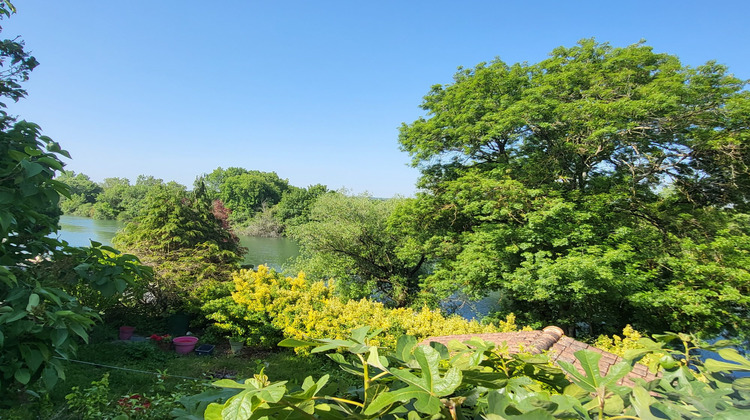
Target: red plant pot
[126,332]
[184,344]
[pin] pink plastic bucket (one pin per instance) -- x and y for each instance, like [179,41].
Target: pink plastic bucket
[126,332]
[184,344]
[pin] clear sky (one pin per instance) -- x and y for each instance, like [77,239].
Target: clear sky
[313,90]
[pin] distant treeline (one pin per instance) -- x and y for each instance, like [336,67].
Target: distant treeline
[261,203]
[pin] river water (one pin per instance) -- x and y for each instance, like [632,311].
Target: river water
[274,252]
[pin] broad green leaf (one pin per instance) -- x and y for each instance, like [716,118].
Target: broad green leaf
[374,359]
[734,356]
[272,393]
[404,347]
[31,168]
[570,407]
[293,342]
[424,402]
[742,384]
[329,344]
[642,402]
[713,365]
[498,406]
[239,407]
[79,330]
[33,302]
[359,334]
[635,354]
[577,378]
[228,383]
[616,372]
[22,375]
[590,364]
[613,404]
[49,376]
[490,380]
[52,163]
[33,359]
[213,412]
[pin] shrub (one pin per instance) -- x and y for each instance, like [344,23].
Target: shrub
[266,305]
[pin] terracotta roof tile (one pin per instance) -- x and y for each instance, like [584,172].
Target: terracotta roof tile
[556,344]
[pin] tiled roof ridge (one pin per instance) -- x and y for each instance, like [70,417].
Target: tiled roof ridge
[556,344]
[548,337]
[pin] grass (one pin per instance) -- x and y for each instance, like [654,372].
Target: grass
[142,368]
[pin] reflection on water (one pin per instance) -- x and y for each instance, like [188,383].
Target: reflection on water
[273,252]
[78,231]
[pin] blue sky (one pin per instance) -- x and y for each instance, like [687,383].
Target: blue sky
[313,90]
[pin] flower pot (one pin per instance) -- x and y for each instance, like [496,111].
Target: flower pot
[184,344]
[164,345]
[235,346]
[126,332]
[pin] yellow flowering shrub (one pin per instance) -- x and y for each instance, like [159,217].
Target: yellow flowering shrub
[308,310]
[629,341]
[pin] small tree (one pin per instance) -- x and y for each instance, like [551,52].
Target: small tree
[190,248]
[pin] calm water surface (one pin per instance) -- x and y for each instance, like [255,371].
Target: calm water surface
[78,231]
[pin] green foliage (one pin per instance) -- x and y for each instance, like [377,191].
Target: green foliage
[39,320]
[266,306]
[599,187]
[191,250]
[83,193]
[244,191]
[98,402]
[263,224]
[17,64]
[121,201]
[478,380]
[90,403]
[348,239]
[296,204]
[40,324]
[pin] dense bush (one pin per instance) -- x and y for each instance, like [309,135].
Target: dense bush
[266,306]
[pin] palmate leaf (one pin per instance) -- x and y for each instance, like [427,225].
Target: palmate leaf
[404,347]
[499,405]
[424,387]
[424,402]
[592,381]
[242,406]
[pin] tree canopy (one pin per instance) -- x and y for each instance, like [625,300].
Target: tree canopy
[596,186]
[185,237]
[348,239]
[244,192]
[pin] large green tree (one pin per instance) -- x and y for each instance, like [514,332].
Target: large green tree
[349,239]
[599,186]
[120,200]
[244,192]
[83,194]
